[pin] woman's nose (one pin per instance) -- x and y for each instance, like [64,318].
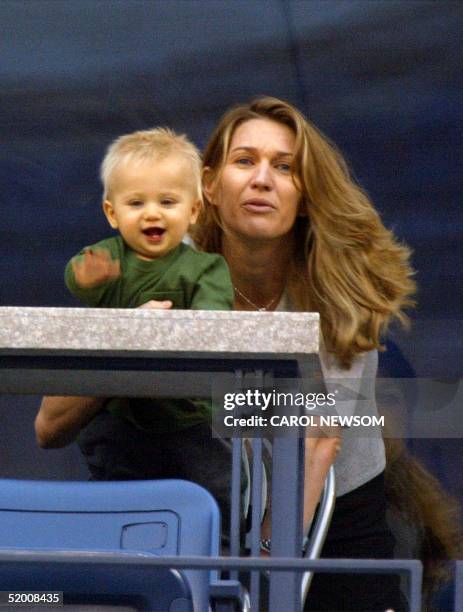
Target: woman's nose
[262,177]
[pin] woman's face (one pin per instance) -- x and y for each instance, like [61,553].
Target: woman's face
[255,193]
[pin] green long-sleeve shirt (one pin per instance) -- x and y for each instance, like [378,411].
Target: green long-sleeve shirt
[191,280]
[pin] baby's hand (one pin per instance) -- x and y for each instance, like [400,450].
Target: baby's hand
[157,305]
[94,268]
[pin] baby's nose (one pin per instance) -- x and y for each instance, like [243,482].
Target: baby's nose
[152,211]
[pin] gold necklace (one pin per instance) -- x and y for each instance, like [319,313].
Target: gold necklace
[259,308]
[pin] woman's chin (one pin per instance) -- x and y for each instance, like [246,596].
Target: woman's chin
[258,233]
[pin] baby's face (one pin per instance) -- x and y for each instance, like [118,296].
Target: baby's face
[152,203]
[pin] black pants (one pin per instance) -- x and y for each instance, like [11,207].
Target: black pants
[117,450]
[358,530]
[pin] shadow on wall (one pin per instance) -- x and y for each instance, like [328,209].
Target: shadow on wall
[442,456]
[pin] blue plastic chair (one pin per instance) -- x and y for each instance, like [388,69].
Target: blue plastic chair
[48,531]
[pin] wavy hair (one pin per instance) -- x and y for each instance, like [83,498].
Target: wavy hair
[347,265]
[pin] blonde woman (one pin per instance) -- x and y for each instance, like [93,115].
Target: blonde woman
[299,234]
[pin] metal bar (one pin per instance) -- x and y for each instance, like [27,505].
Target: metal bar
[458,586]
[280,564]
[235,494]
[256,496]
[155,361]
[235,512]
[287,491]
[256,516]
[412,568]
[415,586]
[109,383]
[148,376]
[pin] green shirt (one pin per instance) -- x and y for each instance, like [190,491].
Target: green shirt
[191,280]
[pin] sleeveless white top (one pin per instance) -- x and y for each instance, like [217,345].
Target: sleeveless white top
[361,458]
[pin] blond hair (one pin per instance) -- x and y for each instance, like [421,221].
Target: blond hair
[145,145]
[347,265]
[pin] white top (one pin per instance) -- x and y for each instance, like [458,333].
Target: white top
[361,458]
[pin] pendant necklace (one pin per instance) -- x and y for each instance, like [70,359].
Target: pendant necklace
[259,308]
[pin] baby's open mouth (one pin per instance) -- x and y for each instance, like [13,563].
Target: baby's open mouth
[154,231]
[154,235]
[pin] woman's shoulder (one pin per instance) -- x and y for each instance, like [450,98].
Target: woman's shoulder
[363,365]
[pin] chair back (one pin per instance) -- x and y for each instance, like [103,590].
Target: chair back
[164,517]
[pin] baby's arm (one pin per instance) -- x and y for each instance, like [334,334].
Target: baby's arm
[94,268]
[90,276]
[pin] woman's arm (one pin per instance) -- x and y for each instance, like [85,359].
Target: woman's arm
[320,453]
[60,419]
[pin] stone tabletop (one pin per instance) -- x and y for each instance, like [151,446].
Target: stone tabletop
[225,334]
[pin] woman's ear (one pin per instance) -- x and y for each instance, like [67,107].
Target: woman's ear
[208,184]
[108,210]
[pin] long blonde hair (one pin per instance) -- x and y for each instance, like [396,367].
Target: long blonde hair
[347,265]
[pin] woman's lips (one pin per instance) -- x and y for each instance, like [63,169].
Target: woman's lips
[258,205]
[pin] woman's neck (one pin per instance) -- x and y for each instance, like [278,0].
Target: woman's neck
[259,270]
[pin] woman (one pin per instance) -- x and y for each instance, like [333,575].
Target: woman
[298,234]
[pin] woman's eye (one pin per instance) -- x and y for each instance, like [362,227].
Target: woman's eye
[284,167]
[243,161]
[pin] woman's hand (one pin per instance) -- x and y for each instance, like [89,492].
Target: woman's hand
[60,419]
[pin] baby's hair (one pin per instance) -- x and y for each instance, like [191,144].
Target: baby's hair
[144,145]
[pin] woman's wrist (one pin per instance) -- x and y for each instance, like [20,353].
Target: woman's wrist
[266,545]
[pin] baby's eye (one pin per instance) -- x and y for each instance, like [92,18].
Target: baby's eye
[167,201]
[136,203]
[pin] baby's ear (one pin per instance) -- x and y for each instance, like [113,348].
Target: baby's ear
[195,210]
[108,210]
